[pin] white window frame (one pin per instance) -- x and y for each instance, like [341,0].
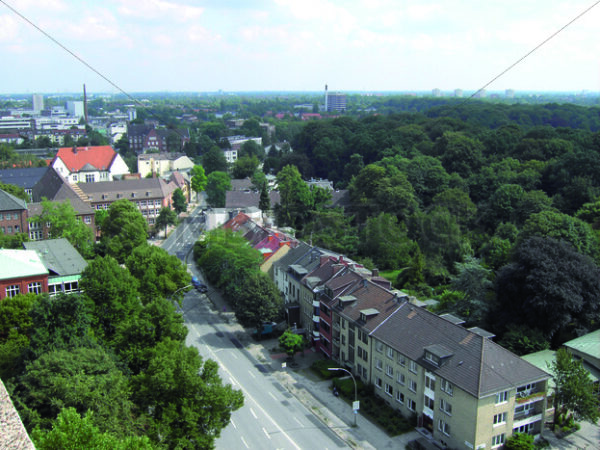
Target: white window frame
[389,390]
[12,290]
[413,367]
[500,419]
[35,287]
[412,385]
[390,352]
[378,364]
[445,407]
[400,397]
[498,440]
[378,382]
[411,405]
[401,378]
[389,370]
[444,427]
[501,397]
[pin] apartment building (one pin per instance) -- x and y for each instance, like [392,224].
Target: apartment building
[159,164]
[148,194]
[13,214]
[465,390]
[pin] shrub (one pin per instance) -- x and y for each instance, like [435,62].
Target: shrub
[320,368]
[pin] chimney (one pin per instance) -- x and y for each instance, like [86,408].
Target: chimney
[375,272]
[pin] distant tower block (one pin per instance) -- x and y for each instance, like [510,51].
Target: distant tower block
[458,92]
[38,102]
[334,101]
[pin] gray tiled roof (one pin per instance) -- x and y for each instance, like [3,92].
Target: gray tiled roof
[293,255]
[478,365]
[25,178]
[9,202]
[59,256]
[142,188]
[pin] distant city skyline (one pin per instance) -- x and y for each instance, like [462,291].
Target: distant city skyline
[287,45]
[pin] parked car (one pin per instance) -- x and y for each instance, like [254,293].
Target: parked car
[199,285]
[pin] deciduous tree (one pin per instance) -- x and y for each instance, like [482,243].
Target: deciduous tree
[574,392]
[217,186]
[124,229]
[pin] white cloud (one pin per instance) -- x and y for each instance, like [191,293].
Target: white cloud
[159,9]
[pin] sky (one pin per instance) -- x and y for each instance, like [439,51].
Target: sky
[298,45]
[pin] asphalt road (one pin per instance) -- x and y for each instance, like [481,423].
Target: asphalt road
[271,417]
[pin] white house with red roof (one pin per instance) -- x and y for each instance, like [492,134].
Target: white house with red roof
[89,164]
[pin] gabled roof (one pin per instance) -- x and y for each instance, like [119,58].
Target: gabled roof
[59,256]
[478,365]
[20,264]
[293,255]
[76,158]
[55,188]
[130,189]
[25,178]
[9,202]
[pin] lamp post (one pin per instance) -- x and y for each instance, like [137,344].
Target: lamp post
[356,403]
[181,288]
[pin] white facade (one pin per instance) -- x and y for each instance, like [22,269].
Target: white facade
[89,174]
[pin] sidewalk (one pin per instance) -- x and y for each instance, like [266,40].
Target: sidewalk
[312,392]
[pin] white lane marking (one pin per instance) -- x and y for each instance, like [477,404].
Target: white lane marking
[244,441]
[234,355]
[299,423]
[251,374]
[233,423]
[266,434]
[273,396]
[253,413]
[247,394]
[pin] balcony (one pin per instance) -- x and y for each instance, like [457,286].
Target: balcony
[336,341]
[527,420]
[316,303]
[316,319]
[336,326]
[526,397]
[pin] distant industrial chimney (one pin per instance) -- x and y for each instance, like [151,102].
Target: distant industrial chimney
[85,113]
[326,109]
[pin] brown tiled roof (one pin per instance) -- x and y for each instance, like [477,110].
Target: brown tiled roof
[142,188]
[478,365]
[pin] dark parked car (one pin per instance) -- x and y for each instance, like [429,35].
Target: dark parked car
[199,285]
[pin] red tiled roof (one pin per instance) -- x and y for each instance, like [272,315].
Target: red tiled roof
[101,157]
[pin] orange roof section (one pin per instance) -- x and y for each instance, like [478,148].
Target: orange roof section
[75,158]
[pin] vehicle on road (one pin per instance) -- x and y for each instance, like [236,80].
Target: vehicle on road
[199,285]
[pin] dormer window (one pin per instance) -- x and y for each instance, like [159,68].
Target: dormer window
[432,358]
[132,194]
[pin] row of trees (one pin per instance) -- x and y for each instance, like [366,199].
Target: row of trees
[231,265]
[109,366]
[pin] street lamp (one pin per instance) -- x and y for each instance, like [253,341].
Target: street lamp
[356,403]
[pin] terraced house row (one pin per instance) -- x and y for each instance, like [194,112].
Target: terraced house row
[465,390]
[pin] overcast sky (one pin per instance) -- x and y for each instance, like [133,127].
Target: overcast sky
[298,45]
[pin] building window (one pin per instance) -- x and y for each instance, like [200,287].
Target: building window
[400,397]
[390,352]
[445,407]
[430,382]
[447,387]
[378,364]
[498,440]
[12,290]
[411,405]
[389,390]
[428,402]
[401,360]
[501,397]
[444,427]
[34,288]
[378,382]
[523,428]
[401,379]
[379,346]
[500,419]
[87,219]
[413,367]
[412,385]
[389,371]
[0,216]
[89,178]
